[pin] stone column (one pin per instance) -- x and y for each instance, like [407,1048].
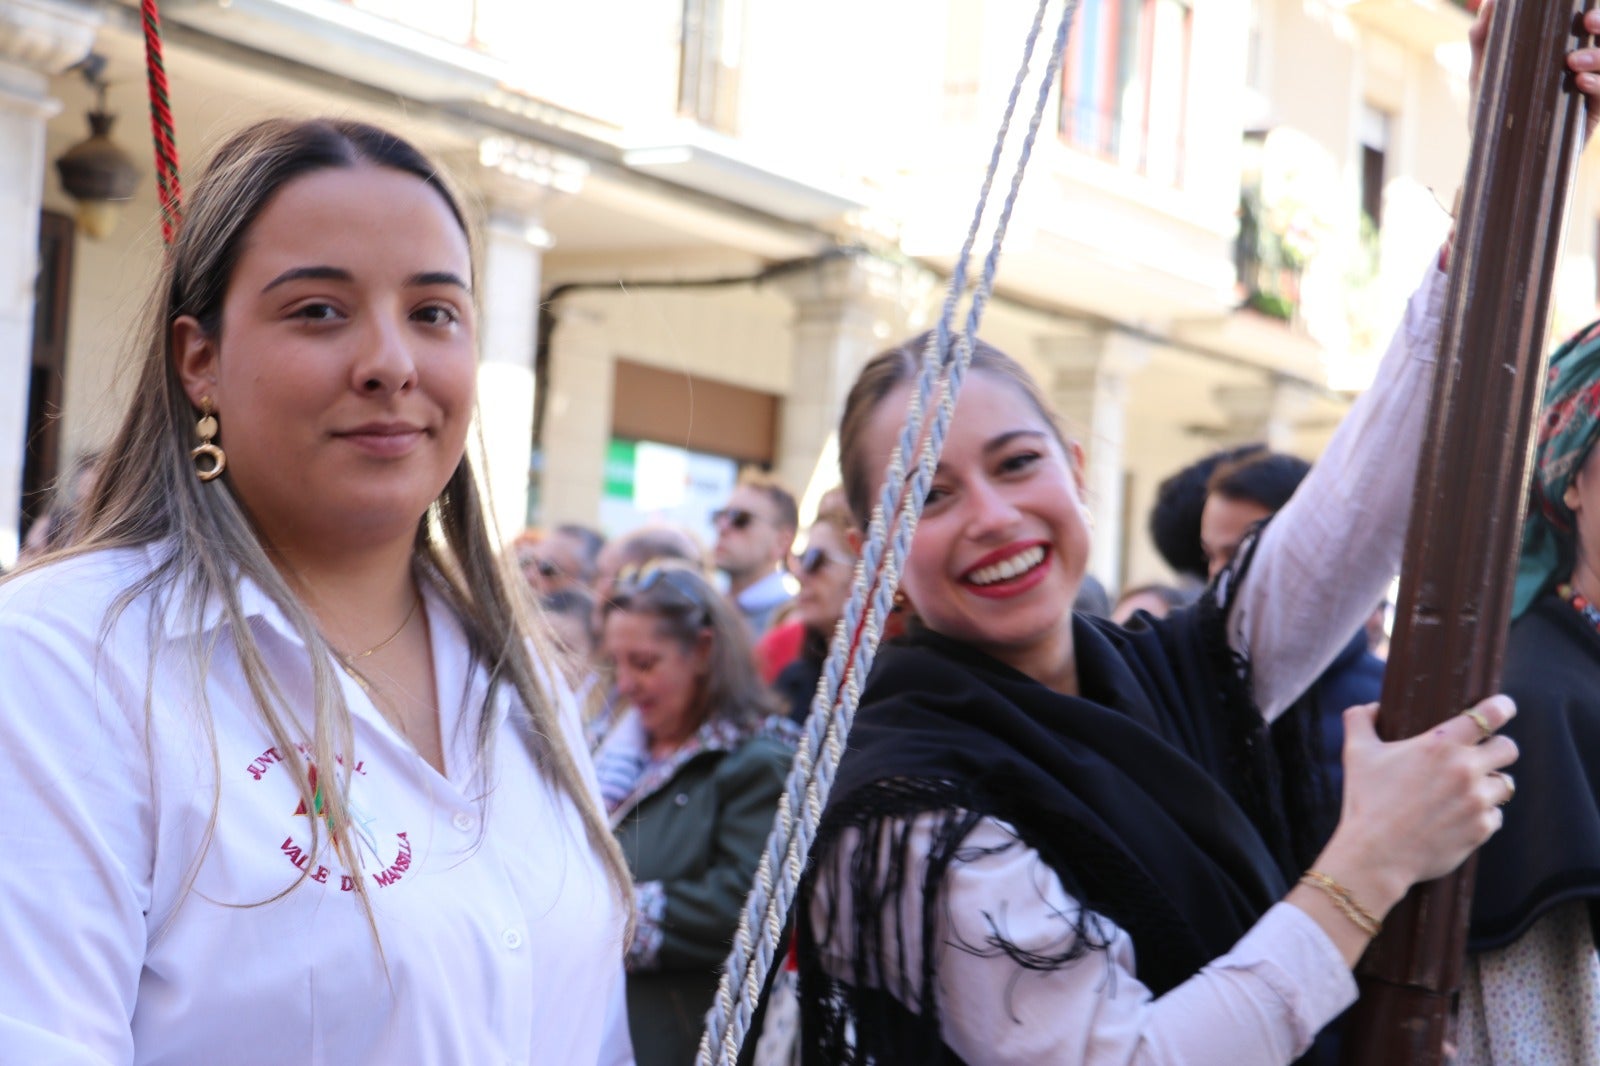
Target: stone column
[1246,412]
[514,244]
[846,310]
[1262,414]
[1090,371]
[519,180]
[577,427]
[1291,402]
[38,38]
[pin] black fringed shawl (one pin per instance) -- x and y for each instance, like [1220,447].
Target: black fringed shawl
[1548,851]
[1152,796]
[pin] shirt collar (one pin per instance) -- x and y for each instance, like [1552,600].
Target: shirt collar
[765,594]
[180,623]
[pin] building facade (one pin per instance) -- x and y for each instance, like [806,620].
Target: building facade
[699,217]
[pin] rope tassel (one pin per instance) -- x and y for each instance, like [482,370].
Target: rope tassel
[855,641]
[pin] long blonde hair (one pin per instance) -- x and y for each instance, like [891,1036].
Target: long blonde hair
[147,494]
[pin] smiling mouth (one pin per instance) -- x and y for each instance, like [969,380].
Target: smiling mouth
[1019,564]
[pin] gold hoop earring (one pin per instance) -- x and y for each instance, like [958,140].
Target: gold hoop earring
[901,602]
[209,460]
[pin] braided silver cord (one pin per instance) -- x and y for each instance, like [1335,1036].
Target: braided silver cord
[877,576]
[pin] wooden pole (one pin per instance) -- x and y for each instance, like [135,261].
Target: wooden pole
[1461,550]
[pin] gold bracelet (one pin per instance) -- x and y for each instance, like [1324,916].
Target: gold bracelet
[1344,900]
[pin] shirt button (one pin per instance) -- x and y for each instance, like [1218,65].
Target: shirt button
[512,938]
[681,799]
[463,821]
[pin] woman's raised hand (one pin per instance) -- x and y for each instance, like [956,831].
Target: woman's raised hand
[1414,809]
[1583,62]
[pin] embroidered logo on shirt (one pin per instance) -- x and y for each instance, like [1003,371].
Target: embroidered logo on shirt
[366,842]
[316,799]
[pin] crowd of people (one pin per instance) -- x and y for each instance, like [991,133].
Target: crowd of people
[303,764]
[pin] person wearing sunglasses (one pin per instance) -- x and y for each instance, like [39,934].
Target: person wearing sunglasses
[755,531]
[563,559]
[825,570]
[633,550]
[690,775]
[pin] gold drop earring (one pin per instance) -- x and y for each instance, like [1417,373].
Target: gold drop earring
[209,459]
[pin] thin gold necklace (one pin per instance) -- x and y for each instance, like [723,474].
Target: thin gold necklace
[387,707]
[351,660]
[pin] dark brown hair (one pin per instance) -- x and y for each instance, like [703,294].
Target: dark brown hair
[1266,479]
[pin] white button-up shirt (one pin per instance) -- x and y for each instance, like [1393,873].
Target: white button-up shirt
[152,906]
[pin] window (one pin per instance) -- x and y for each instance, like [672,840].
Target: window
[963,61]
[1375,124]
[713,428]
[41,461]
[1123,85]
[713,46]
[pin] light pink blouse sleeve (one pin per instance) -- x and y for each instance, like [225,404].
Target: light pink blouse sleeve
[1259,1005]
[1325,560]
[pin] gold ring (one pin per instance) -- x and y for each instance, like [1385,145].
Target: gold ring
[1481,722]
[1511,787]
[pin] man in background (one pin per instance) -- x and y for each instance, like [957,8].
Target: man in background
[1239,497]
[1175,517]
[755,531]
[563,559]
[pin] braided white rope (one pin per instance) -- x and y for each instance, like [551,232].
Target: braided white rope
[855,639]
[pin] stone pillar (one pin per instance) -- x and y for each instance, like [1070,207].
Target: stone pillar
[513,247]
[1089,387]
[519,180]
[1246,411]
[38,38]
[577,427]
[846,310]
[1262,414]
[1291,401]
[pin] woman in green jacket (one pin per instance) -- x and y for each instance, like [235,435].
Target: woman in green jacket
[691,775]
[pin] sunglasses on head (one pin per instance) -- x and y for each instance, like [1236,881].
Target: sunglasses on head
[813,559]
[735,517]
[678,584]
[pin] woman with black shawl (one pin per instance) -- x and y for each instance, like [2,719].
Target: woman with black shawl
[1532,986]
[1047,825]
[1053,839]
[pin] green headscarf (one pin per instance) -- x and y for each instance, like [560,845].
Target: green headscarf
[1568,428]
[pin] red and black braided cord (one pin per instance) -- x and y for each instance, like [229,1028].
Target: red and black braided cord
[161,125]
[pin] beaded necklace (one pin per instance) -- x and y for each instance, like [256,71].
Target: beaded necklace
[1590,612]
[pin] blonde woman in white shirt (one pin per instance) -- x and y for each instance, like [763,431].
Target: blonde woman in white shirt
[285,778]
